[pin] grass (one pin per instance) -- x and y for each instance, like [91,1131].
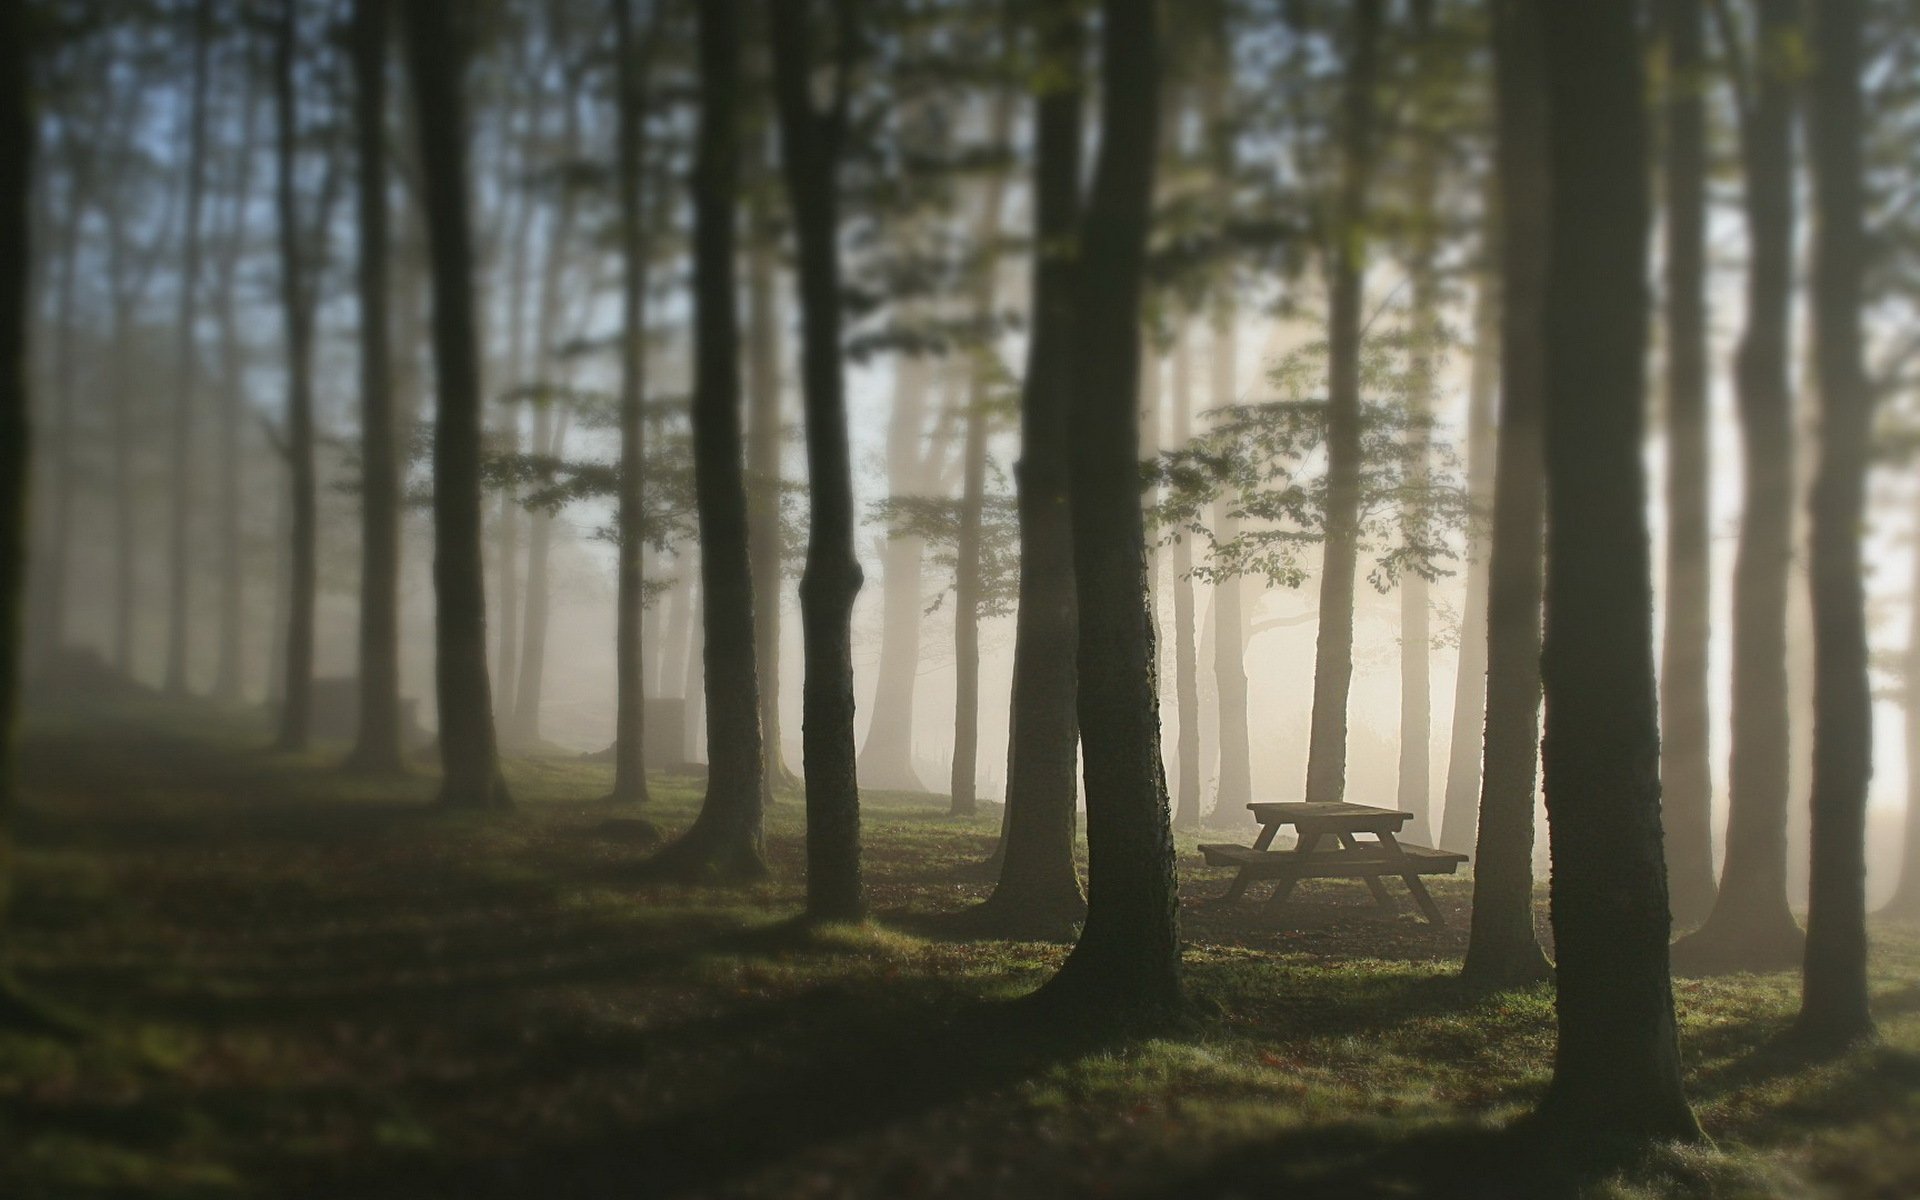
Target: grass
[302,984]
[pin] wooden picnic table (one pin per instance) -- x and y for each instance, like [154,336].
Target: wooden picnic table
[1351,858]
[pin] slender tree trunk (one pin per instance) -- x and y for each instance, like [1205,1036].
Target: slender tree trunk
[1038,892]
[1750,926]
[1617,1064]
[1333,648]
[1460,820]
[630,707]
[886,757]
[187,369]
[303,496]
[1686,779]
[693,677]
[1502,949]
[1833,1007]
[1186,666]
[764,435]
[1905,904]
[1415,781]
[672,669]
[1235,789]
[126,563]
[377,747]
[507,569]
[811,142]
[1126,964]
[18,136]
[230,669]
[726,840]
[525,723]
[470,764]
[47,623]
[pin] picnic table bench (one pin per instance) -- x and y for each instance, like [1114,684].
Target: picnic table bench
[1351,858]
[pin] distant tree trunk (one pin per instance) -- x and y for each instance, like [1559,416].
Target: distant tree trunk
[1126,964]
[1617,1065]
[1235,789]
[1833,1007]
[1346,268]
[1186,667]
[126,564]
[469,759]
[886,757]
[629,720]
[1460,820]
[1906,898]
[764,436]
[1750,926]
[47,619]
[230,667]
[1502,949]
[811,142]
[187,369]
[973,496]
[1686,778]
[1038,892]
[507,569]
[377,747]
[671,669]
[726,840]
[693,677]
[303,496]
[17,140]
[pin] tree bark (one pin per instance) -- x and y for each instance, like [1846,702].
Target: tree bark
[630,707]
[1833,1005]
[1126,965]
[726,840]
[1186,665]
[1617,1064]
[764,436]
[303,488]
[469,757]
[1038,891]
[17,146]
[1502,948]
[1346,269]
[1235,788]
[1905,904]
[1750,926]
[377,747]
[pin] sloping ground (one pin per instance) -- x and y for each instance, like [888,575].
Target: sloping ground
[300,984]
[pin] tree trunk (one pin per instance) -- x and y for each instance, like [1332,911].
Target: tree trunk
[1686,779]
[1038,892]
[187,369]
[1235,789]
[1617,1065]
[1186,666]
[1126,964]
[230,667]
[886,757]
[1460,819]
[764,436]
[1833,1006]
[303,488]
[1502,949]
[1346,269]
[377,748]
[1905,904]
[47,618]
[469,758]
[507,569]
[630,707]
[1750,926]
[17,142]
[726,840]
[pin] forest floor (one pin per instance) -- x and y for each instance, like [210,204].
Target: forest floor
[295,983]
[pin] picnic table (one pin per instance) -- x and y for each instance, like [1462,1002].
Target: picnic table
[1350,858]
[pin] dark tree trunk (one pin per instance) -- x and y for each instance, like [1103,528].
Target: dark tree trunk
[1038,893]
[1686,779]
[1617,1065]
[1186,664]
[303,495]
[17,144]
[469,758]
[629,728]
[1460,819]
[811,141]
[886,756]
[1750,926]
[377,747]
[47,616]
[187,368]
[1126,964]
[1833,1007]
[1502,949]
[1346,271]
[764,435]
[726,840]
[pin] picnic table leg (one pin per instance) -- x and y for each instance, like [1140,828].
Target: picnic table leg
[1284,884]
[1421,896]
[1244,877]
[1381,896]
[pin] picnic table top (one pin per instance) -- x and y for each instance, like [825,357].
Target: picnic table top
[1292,813]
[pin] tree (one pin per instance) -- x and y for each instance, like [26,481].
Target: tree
[1750,926]
[1346,269]
[1127,961]
[469,758]
[765,489]
[377,746]
[1038,890]
[1617,1064]
[1502,949]
[726,839]
[1833,1004]
[811,142]
[1186,664]
[1686,779]
[629,730]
